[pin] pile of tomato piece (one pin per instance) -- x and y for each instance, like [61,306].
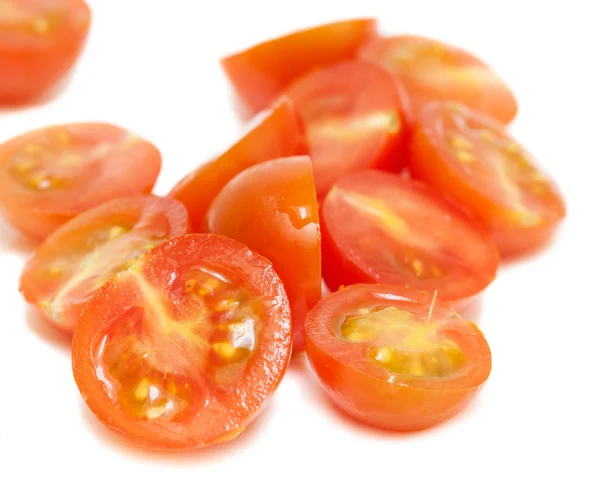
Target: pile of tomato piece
[379,165]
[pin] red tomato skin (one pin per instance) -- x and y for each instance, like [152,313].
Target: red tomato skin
[32,69]
[278,132]
[261,73]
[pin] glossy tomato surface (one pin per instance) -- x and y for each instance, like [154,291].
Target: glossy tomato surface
[381,228]
[84,253]
[432,70]
[182,349]
[50,175]
[469,157]
[355,117]
[261,73]
[272,208]
[278,132]
[395,362]
[40,41]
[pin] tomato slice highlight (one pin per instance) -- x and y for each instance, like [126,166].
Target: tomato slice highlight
[432,70]
[40,40]
[80,256]
[50,175]
[272,208]
[261,73]
[403,233]
[278,132]
[355,118]
[182,349]
[395,362]
[471,158]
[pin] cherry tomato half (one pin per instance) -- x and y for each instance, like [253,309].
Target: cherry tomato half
[431,70]
[272,208]
[402,232]
[354,118]
[84,253]
[276,133]
[261,73]
[471,158]
[392,362]
[50,175]
[40,41]
[182,349]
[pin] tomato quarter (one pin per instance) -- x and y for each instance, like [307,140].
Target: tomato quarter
[472,158]
[272,208]
[354,118]
[432,70]
[81,255]
[182,349]
[276,133]
[392,362]
[40,41]
[381,228]
[50,175]
[261,73]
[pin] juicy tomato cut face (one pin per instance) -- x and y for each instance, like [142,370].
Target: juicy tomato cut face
[354,118]
[278,132]
[40,41]
[395,362]
[50,175]
[402,233]
[431,70]
[272,208]
[261,73]
[87,251]
[182,349]
[473,159]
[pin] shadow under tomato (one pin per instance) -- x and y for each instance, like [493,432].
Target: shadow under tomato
[12,240]
[44,331]
[241,110]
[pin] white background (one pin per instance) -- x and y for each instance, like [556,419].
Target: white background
[152,66]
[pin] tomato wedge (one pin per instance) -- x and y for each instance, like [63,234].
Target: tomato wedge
[81,255]
[50,175]
[272,208]
[355,118]
[403,233]
[432,70]
[276,133]
[471,158]
[182,349]
[40,40]
[261,73]
[395,362]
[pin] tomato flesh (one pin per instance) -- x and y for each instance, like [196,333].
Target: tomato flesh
[272,208]
[276,133]
[40,40]
[355,118]
[395,362]
[469,157]
[182,349]
[432,70]
[80,256]
[261,73]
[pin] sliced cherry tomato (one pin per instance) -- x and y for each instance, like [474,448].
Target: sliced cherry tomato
[40,41]
[260,74]
[394,362]
[182,349]
[50,175]
[473,159]
[402,232]
[272,208]
[276,133]
[81,255]
[432,70]
[354,118]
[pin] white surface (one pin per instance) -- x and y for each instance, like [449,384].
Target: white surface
[152,67]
